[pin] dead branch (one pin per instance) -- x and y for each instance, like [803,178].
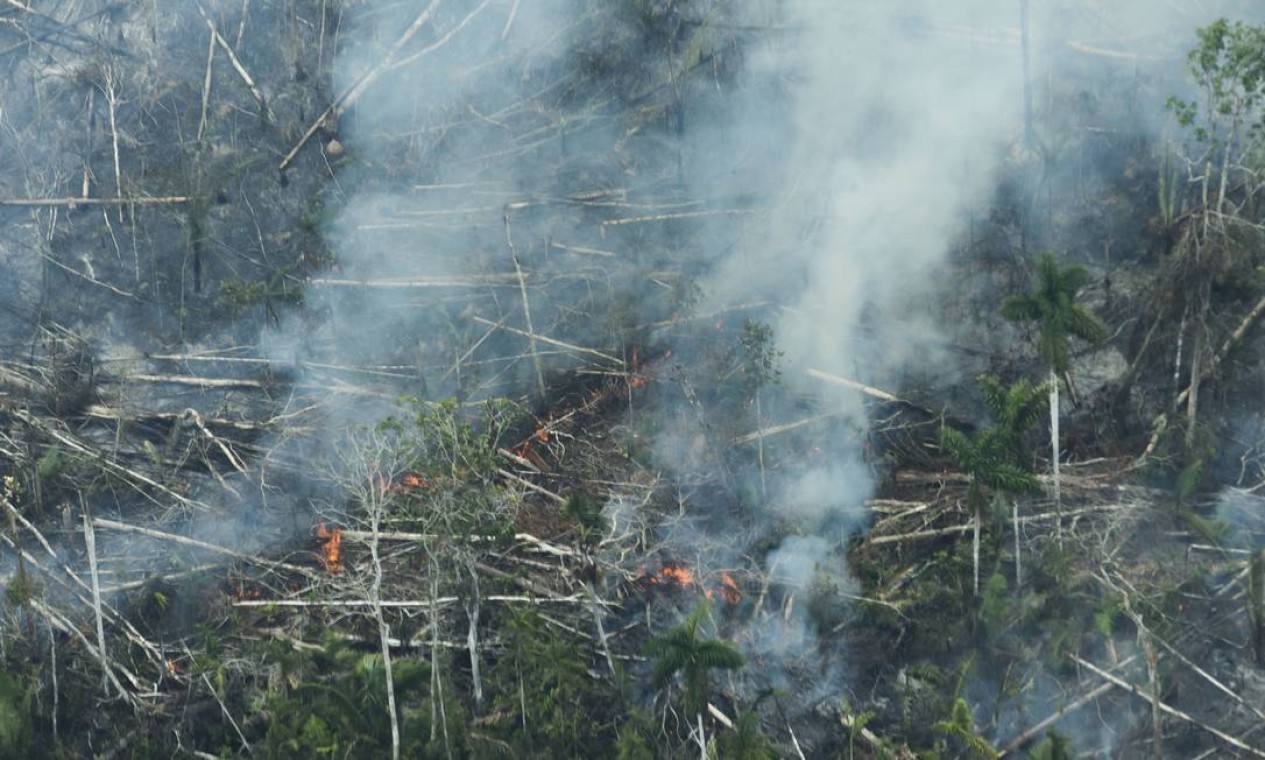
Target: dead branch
[542,546]
[516,459]
[550,341]
[1163,707]
[65,626]
[532,486]
[1064,710]
[357,88]
[854,385]
[72,202]
[917,535]
[238,66]
[466,281]
[442,601]
[129,474]
[779,429]
[114,525]
[674,217]
[201,382]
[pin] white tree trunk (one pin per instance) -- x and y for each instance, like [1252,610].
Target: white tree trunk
[1054,446]
[384,630]
[472,638]
[975,549]
[1018,563]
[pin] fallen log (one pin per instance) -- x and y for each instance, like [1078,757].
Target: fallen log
[466,281]
[1165,708]
[550,341]
[101,522]
[442,601]
[139,201]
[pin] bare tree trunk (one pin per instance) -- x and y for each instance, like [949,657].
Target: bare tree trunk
[1054,447]
[702,739]
[1192,400]
[1018,563]
[384,631]
[438,712]
[90,541]
[1028,131]
[759,426]
[975,547]
[472,637]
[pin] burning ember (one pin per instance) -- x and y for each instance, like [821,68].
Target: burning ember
[636,381]
[408,481]
[242,591]
[173,667]
[674,575]
[331,547]
[728,590]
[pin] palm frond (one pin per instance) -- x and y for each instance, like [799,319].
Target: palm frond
[958,445]
[1085,325]
[1012,479]
[715,653]
[1073,278]
[994,395]
[1021,308]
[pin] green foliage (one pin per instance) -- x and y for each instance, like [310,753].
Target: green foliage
[759,356]
[1051,304]
[745,741]
[1054,746]
[960,730]
[1228,62]
[237,295]
[21,589]
[15,718]
[442,440]
[340,710]
[680,650]
[586,511]
[1169,189]
[1188,480]
[543,689]
[50,464]
[996,605]
[635,737]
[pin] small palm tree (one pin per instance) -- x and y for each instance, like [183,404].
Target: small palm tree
[990,457]
[1052,306]
[680,650]
[1015,409]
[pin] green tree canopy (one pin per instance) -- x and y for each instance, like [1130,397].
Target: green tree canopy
[1052,305]
[680,650]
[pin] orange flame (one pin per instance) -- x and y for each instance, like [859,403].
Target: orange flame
[681,576]
[173,667]
[331,548]
[413,480]
[407,481]
[636,380]
[728,590]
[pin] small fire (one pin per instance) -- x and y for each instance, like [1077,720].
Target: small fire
[242,591]
[173,667]
[636,381]
[728,590]
[407,481]
[412,480]
[681,576]
[331,547]
[677,576]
